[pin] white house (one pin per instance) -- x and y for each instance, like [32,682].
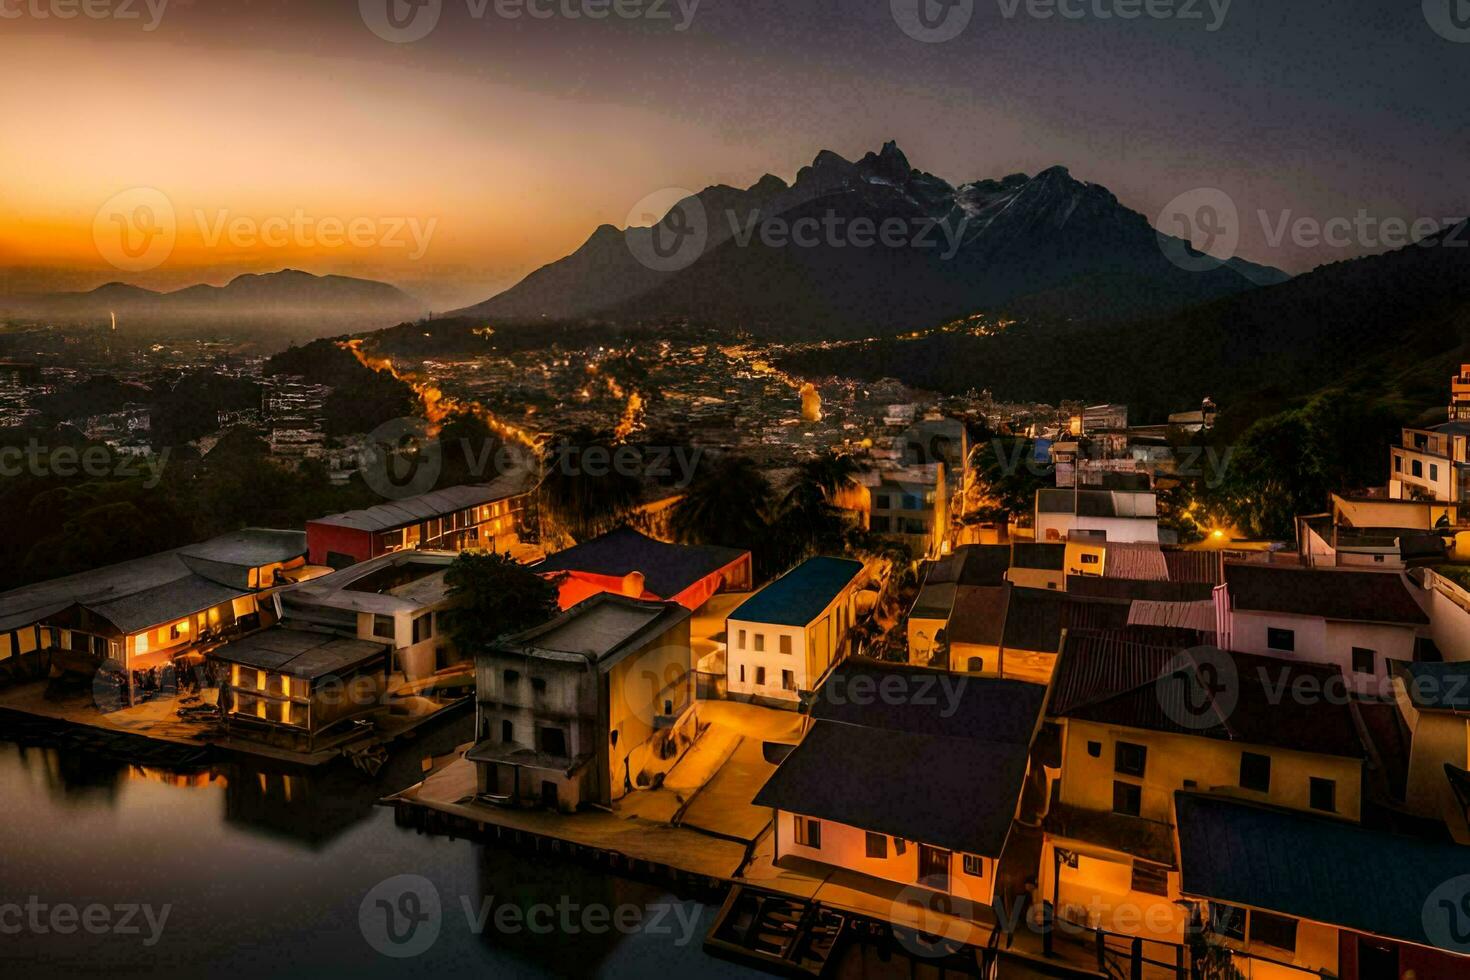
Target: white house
[1118,515]
[1355,620]
[783,639]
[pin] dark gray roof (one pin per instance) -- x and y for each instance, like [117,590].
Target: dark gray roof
[1367,597]
[300,653]
[886,733]
[1049,557]
[979,615]
[412,510]
[874,779]
[934,702]
[668,569]
[1315,868]
[1034,620]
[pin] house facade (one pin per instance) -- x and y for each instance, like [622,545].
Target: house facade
[585,708]
[1357,621]
[783,639]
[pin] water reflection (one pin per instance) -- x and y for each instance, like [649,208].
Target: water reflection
[265,870]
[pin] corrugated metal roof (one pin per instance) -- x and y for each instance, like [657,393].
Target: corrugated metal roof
[437,503]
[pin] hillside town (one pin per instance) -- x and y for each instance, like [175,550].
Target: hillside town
[1056,743]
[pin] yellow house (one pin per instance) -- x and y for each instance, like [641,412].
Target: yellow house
[1038,565]
[1085,556]
[1141,723]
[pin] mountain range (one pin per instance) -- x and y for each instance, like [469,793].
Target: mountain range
[802,261]
[288,301]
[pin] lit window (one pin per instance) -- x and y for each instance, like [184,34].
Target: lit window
[808,832]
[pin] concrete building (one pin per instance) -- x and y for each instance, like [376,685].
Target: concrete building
[398,600]
[585,708]
[782,640]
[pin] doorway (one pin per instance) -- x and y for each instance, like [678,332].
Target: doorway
[934,867]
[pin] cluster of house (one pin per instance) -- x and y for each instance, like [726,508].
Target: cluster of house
[1268,750]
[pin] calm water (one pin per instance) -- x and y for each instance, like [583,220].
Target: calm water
[267,873]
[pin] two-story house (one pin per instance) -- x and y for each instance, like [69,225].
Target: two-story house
[783,639]
[1139,723]
[1357,621]
[587,707]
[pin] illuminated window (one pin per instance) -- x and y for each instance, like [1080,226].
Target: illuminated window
[808,832]
[5,647]
[140,643]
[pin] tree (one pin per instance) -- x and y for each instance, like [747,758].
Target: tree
[1007,475]
[810,521]
[497,595]
[727,504]
[584,490]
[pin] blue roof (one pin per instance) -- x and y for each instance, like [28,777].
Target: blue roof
[799,596]
[1321,869]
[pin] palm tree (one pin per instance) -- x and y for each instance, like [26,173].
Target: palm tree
[726,504]
[583,492]
[811,521]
